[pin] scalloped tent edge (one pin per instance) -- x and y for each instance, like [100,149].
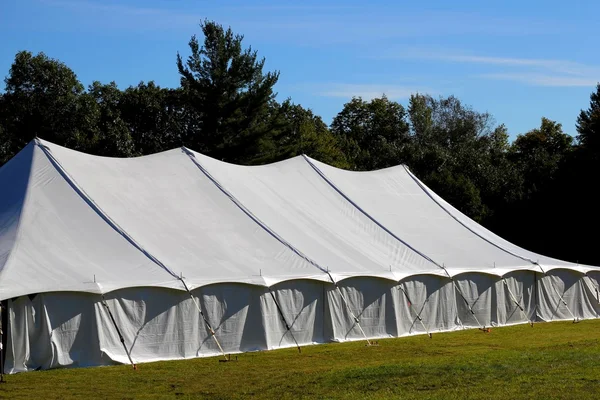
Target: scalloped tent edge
[72,223]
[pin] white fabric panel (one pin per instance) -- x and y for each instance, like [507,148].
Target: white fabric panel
[58,241]
[178,215]
[519,287]
[546,262]
[52,330]
[302,304]
[574,289]
[293,200]
[432,298]
[162,324]
[479,290]
[156,324]
[371,300]
[392,198]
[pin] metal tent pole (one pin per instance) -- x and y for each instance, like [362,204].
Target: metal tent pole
[575,319]
[210,329]
[287,326]
[354,317]
[514,299]
[118,332]
[410,306]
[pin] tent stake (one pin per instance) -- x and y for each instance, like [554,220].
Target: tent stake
[287,326]
[118,331]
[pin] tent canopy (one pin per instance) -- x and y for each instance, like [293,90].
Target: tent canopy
[75,222]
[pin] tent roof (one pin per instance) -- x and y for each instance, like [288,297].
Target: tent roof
[72,221]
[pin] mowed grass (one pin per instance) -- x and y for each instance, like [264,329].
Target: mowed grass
[550,360]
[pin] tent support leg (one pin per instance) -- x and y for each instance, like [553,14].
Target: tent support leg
[514,299]
[210,329]
[354,317]
[410,306]
[481,327]
[118,331]
[287,326]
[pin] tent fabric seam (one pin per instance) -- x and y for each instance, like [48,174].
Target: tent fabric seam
[464,225]
[92,204]
[355,205]
[253,217]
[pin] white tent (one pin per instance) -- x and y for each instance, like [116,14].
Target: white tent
[177,255]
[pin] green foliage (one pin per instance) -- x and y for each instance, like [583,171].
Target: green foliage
[456,151]
[156,118]
[539,153]
[372,134]
[226,87]
[43,98]
[550,361]
[300,132]
[588,125]
[113,136]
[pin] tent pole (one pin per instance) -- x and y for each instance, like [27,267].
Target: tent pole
[287,326]
[118,331]
[210,329]
[354,317]
[575,319]
[481,327]
[410,306]
[514,299]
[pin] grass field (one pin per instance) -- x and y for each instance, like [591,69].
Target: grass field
[550,360]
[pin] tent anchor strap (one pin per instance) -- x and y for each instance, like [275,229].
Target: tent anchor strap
[354,317]
[514,299]
[562,300]
[287,326]
[410,306]
[208,326]
[118,332]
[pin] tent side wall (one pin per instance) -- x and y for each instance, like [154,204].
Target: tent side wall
[70,329]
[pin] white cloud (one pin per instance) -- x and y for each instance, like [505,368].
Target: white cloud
[533,71]
[536,79]
[368,91]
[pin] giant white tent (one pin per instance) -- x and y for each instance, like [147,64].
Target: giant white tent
[177,255]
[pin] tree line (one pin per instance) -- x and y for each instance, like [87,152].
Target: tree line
[537,191]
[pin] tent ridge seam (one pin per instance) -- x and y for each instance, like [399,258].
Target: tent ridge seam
[359,208]
[112,223]
[251,215]
[465,226]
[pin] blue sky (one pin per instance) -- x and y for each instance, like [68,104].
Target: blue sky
[517,60]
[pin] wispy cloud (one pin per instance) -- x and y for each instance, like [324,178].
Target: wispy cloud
[96,15]
[545,80]
[368,91]
[310,24]
[532,71]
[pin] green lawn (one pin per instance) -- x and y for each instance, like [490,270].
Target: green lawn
[550,360]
